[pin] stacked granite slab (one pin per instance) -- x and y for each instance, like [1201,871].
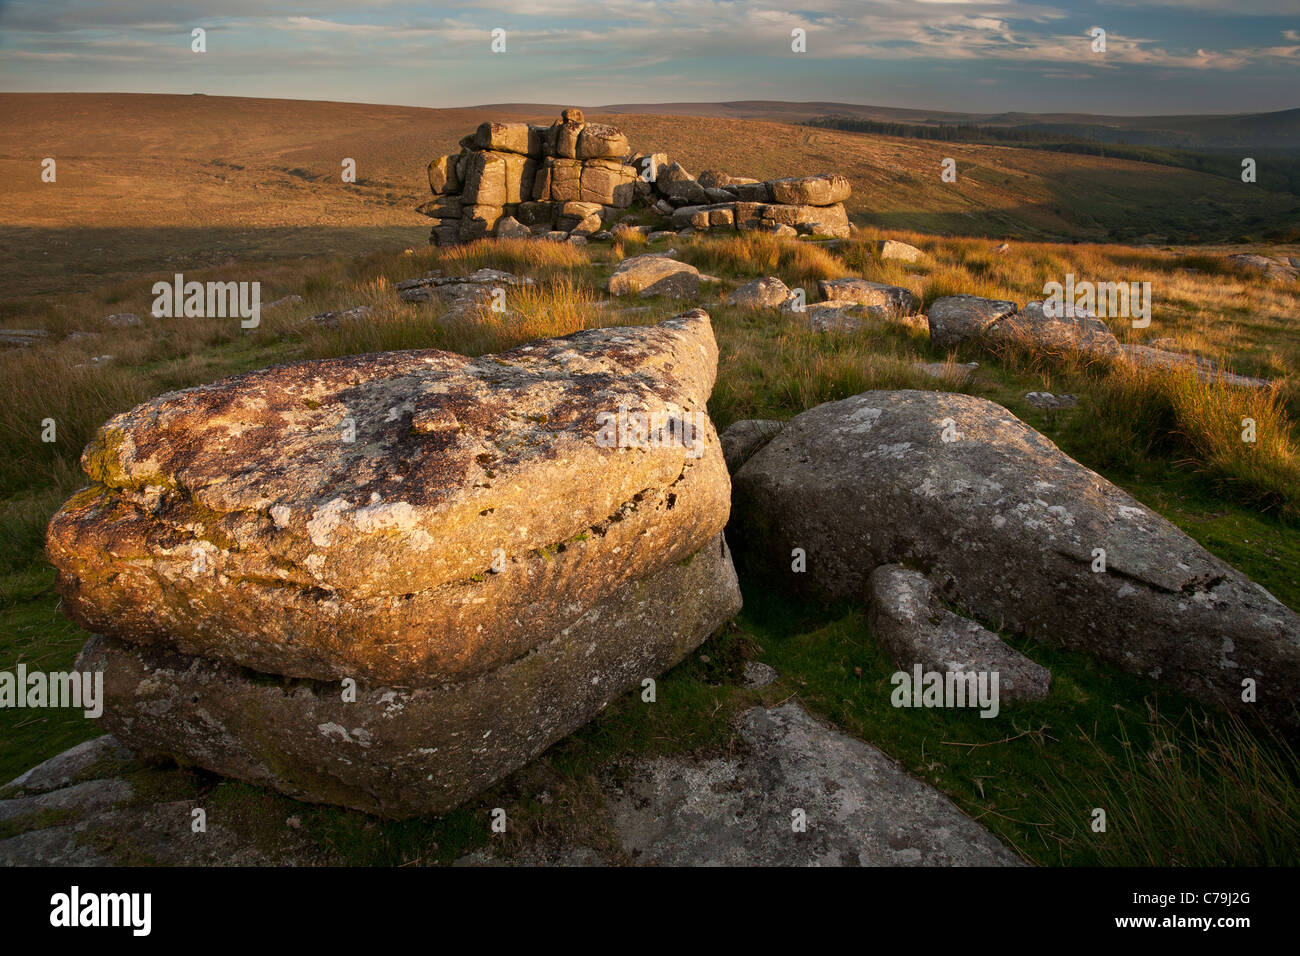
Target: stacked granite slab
[386,581]
[566,177]
[574,178]
[806,205]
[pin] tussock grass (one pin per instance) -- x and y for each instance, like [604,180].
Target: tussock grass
[1140,411]
[754,254]
[1189,792]
[524,256]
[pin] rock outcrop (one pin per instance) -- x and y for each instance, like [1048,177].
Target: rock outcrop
[958,319]
[512,180]
[1017,534]
[1277,268]
[409,521]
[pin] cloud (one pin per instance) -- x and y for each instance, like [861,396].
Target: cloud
[668,45]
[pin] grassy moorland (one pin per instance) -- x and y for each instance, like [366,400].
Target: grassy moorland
[148,182]
[1181,785]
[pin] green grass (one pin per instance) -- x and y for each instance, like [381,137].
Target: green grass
[1034,775]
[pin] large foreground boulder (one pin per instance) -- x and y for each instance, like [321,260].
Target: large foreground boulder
[1017,534]
[407,517]
[401,752]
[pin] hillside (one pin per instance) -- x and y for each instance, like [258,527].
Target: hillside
[150,182]
[1276,130]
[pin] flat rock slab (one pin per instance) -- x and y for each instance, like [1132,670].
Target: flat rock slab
[861,808]
[402,753]
[83,811]
[1205,370]
[405,517]
[66,768]
[907,617]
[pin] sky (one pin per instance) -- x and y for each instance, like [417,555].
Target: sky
[1161,56]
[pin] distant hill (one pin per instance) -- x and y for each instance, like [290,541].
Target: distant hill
[149,182]
[1275,130]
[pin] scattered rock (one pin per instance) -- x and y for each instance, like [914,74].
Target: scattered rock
[651,275]
[891,250]
[123,320]
[1048,400]
[889,298]
[958,318]
[1277,268]
[332,320]
[758,674]
[1206,370]
[22,338]
[960,373]
[287,300]
[833,316]
[1033,326]
[765,293]
[460,291]
[914,627]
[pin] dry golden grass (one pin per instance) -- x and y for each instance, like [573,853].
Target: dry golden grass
[769,366]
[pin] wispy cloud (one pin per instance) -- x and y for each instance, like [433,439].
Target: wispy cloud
[648,50]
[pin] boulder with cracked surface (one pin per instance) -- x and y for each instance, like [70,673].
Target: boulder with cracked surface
[1018,534]
[411,517]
